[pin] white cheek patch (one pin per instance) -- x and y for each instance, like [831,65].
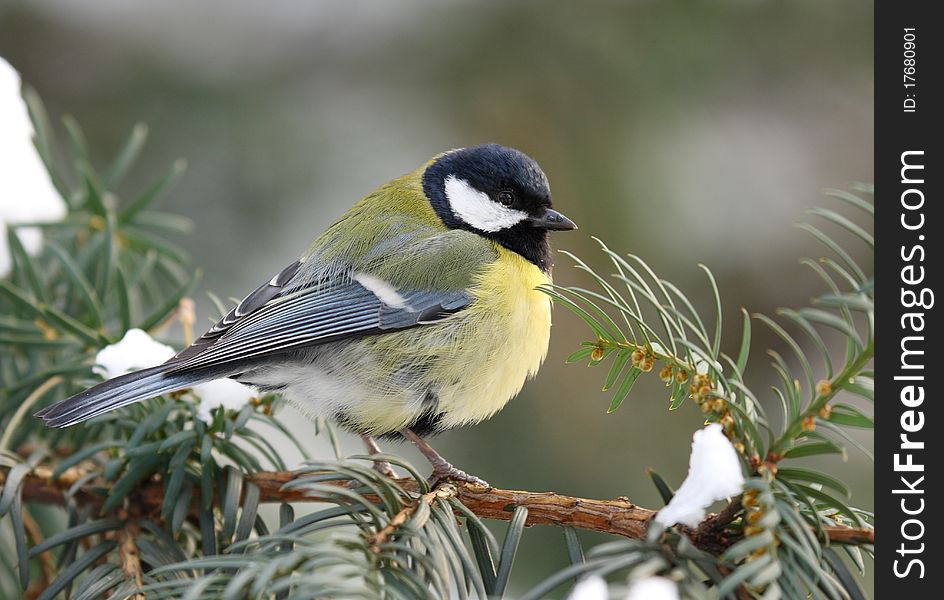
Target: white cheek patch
[477,209]
[383,290]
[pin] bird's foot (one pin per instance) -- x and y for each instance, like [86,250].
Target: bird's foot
[381,466]
[384,468]
[447,472]
[442,468]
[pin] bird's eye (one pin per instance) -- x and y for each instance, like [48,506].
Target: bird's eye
[506,197]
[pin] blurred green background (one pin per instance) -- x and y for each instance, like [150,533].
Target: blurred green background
[685,132]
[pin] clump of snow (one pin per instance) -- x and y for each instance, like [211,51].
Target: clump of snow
[592,587]
[27,194]
[653,588]
[229,394]
[714,473]
[136,350]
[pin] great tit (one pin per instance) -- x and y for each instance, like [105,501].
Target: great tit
[417,311]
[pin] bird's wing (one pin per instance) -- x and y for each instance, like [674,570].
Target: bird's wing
[250,304]
[295,309]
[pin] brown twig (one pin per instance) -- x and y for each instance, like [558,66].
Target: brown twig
[850,535]
[618,517]
[377,540]
[36,536]
[128,553]
[711,534]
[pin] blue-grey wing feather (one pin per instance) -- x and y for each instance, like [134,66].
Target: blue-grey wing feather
[251,303]
[318,313]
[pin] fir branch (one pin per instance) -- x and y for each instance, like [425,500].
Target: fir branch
[617,516]
[826,391]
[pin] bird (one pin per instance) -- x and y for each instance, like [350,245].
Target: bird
[417,311]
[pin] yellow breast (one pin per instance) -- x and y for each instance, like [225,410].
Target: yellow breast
[507,330]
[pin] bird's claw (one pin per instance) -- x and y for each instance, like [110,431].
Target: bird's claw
[450,473]
[384,468]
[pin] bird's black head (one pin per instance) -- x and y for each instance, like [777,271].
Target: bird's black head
[499,193]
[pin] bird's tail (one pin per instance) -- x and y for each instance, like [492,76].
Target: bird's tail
[118,392]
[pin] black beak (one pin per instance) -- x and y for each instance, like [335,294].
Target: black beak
[551,219]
